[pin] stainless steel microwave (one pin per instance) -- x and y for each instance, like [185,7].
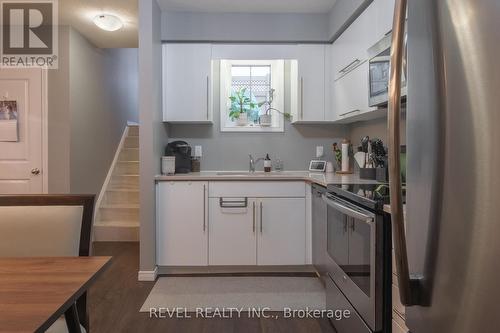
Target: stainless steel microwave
[379,71]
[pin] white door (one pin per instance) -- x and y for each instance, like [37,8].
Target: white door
[21,133]
[281,238]
[311,62]
[182,227]
[187,82]
[232,231]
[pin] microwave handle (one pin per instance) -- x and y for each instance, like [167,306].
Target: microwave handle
[346,210]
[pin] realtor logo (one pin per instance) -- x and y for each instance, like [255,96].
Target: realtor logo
[29,33]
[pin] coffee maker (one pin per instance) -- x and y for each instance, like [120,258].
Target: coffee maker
[182,152]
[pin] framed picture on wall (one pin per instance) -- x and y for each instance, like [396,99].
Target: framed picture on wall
[8,121]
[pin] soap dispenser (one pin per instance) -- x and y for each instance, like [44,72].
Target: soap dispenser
[267,164]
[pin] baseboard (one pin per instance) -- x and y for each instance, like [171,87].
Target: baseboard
[148,275]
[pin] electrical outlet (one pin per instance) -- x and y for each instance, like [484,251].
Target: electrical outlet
[319,151]
[198,151]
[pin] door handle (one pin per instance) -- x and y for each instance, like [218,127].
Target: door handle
[253,226]
[302,98]
[409,288]
[204,207]
[353,111]
[208,97]
[35,171]
[349,67]
[261,217]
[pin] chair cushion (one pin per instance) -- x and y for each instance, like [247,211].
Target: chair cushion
[31,231]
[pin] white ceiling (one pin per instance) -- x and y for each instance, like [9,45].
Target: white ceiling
[248,6]
[79,15]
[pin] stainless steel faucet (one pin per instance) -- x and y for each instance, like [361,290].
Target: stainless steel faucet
[252,162]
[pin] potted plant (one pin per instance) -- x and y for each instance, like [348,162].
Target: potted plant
[266,118]
[241,104]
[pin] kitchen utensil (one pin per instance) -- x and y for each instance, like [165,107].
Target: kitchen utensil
[360,158]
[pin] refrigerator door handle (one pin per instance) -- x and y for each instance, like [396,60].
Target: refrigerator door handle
[408,288]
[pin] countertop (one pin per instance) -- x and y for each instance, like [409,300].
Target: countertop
[323,179]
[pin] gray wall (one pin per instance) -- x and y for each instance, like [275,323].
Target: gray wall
[122,80]
[58,119]
[153,134]
[257,27]
[97,119]
[376,128]
[240,27]
[229,151]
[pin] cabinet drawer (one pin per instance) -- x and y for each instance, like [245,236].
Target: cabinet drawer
[257,189]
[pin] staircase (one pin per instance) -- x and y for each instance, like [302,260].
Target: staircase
[117,218]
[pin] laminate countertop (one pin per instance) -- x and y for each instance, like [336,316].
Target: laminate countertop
[323,179]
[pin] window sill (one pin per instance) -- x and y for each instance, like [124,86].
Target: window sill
[253,128]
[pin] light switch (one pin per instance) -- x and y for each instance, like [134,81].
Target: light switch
[319,151]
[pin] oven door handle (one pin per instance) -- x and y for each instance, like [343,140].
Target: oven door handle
[336,204]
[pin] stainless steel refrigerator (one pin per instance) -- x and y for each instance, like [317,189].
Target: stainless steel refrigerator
[450,273]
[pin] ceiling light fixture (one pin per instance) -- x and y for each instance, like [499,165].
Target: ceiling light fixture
[108,22]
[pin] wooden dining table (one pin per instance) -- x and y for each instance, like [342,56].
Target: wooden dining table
[35,292]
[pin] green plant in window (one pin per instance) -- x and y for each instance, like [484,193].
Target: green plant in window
[241,102]
[269,108]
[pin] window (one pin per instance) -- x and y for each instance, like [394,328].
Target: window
[252,95]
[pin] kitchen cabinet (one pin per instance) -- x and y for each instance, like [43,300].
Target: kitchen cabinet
[311,84]
[350,94]
[182,223]
[351,47]
[257,223]
[281,238]
[187,88]
[232,231]
[349,64]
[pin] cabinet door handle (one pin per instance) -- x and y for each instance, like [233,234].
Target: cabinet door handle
[261,217]
[353,111]
[204,207]
[302,98]
[253,227]
[208,97]
[349,67]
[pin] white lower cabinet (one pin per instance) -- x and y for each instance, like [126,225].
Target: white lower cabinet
[232,239]
[182,223]
[281,238]
[195,228]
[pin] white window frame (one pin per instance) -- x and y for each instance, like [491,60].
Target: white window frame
[277,83]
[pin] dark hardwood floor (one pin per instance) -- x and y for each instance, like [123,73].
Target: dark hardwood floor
[115,300]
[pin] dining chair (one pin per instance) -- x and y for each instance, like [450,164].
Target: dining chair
[49,226]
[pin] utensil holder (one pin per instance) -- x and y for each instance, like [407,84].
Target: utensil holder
[382,175]
[368,173]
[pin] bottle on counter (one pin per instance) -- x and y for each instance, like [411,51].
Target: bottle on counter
[267,164]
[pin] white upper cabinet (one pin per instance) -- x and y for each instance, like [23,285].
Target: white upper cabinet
[187,84]
[384,16]
[310,84]
[349,61]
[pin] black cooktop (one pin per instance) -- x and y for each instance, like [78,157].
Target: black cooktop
[372,196]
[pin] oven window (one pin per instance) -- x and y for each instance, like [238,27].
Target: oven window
[359,267]
[349,245]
